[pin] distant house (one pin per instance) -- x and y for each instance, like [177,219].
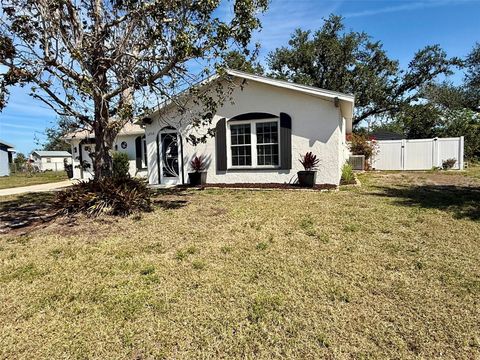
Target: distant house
[386,135]
[130,140]
[50,160]
[6,157]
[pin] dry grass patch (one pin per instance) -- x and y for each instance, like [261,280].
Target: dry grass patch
[362,273]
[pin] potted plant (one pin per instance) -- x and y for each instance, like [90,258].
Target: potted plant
[310,163]
[198,176]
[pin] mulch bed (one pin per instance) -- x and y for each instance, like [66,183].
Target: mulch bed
[255,186]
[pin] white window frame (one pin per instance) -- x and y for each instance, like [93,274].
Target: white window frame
[253,144]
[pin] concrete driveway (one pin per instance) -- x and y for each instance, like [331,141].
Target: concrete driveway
[36,188]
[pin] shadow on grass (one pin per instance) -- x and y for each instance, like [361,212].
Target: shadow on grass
[170,199]
[33,208]
[461,201]
[26,209]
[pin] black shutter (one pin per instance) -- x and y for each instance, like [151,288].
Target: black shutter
[138,151]
[285,141]
[221,144]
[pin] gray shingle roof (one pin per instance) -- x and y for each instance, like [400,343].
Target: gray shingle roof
[8,145]
[52,153]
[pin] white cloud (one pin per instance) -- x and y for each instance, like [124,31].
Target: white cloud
[18,126]
[407,6]
[284,16]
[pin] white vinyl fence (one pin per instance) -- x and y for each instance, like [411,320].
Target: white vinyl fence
[418,154]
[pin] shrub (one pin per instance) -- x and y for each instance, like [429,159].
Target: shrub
[348,176]
[112,196]
[197,164]
[361,144]
[120,165]
[309,161]
[448,164]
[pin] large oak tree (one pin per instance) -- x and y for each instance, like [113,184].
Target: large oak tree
[101,62]
[463,96]
[351,62]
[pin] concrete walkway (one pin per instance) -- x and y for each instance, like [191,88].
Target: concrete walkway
[36,188]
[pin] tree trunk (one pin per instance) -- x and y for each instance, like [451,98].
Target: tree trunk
[104,137]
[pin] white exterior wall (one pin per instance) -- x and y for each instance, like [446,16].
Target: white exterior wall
[4,166]
[316,126]
[129,150]
[344,152]
[75,158]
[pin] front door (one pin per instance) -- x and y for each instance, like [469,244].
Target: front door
[170,161]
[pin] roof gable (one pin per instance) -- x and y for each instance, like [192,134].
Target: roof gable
[345,102]
[128,129]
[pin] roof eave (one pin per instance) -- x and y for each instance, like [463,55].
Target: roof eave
[293,86]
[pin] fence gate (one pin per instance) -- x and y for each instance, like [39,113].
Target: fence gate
[418,154]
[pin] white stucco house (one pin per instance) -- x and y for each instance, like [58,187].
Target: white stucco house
[50,160]
[6,157]
[259,135]
[130,140]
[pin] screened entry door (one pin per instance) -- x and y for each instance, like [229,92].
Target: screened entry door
[170,162]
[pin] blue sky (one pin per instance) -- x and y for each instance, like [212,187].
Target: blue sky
[402,26]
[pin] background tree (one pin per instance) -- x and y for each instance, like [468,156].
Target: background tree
[54,141]
[463,96]
[419,121]
[20,160]
[54,135]
[351,62]
[463,122]
[102,62]
[237,61]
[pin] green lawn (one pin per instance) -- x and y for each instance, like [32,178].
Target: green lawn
[388,270]
[473,171]
[23,179]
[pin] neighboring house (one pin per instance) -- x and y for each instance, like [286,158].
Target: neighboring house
[260,135]
[386,135]
[130,140]
[6,157]
[50,160]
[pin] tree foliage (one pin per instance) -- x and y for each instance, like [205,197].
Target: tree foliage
[463,122]
[351,62]
[102,62]
[54,141]
[463,96]
[237,61]
[420,121]
[20,159]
